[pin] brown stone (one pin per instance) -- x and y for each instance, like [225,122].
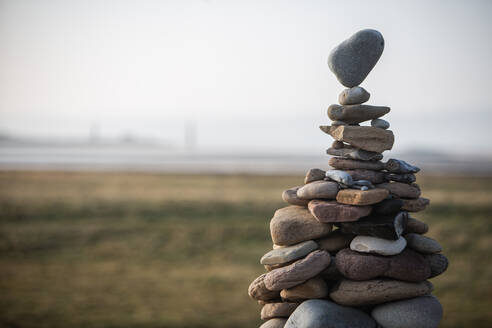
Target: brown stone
[270,267]
[290,196]
[438,263]
[364,137]
[278,310]
[258,291]
[313,288]
[298,272]
[362,174]
[292,224]
[335,241]
[350,164]
[318,189]
[331,211]
[402,190]
[415,205]
[337,144]
[416,226]
[353,114]
[314,175]
[369,292]
[331,272]
[361,197]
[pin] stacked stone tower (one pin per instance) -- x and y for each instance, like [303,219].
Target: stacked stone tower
[346,251]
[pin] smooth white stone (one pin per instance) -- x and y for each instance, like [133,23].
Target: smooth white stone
[368,244]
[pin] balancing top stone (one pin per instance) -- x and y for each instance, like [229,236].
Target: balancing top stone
[353,59]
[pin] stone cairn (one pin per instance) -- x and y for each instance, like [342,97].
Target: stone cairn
[373,269]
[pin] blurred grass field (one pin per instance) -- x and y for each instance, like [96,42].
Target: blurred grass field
[150,250]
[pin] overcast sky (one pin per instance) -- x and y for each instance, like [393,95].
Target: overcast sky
[251,74]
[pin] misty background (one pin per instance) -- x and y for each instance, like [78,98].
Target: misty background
[232,86]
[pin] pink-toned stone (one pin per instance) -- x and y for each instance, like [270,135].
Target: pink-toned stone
[298,272]
[331,211]
[258,291]
[290,196]
[361,197]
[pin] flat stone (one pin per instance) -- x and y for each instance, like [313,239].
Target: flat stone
[422,312]
[348,164]
[354,153]
[438,263]
[353,59]
[369,175]
[274,323]
[400,167]
[353,96]
[290,253]
[335,241]
[401,190]
[422,244]
[354,114]
[406,266]
[318,189]
[293,224]
[359,197]
[377,225]
[313,288]
[416,226]
[380,123]
[388,206]
[326,314]
[278,310]
[363,137]
[369,244]
[314,175]
[298,272]
[331,211]
[270,267]
[258,291]
[415,205]
[405,178]
[290,196]
[370,292]
[339,176]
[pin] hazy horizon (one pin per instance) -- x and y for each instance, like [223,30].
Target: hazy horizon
[252,75]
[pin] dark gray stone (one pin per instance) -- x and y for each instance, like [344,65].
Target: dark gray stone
[388,206]
[400,167]
[353,59]
[405,178]
[377,225]
[422,312]
[380,123]
[438,263]
[326,314]
[354,153]
[353,96]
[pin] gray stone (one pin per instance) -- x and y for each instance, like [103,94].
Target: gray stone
[438,263]
[369,292]
[422,244]
[416,226]
[274,323]
[363,137]
[369,244]
[318,189]
[290,196]
[354,114]
[339,176]
[290,253]
[377,225]
[298,272]
[380,123]
[388,206]
[400,167]
[326,314]
[422,312]
[314,175]
[354,153]
[353,96]
[292,224]
[405,178]
[349,164]
[402,190]
[353,59]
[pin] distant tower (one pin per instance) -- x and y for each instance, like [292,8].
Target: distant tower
[94,133]
[190,136]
